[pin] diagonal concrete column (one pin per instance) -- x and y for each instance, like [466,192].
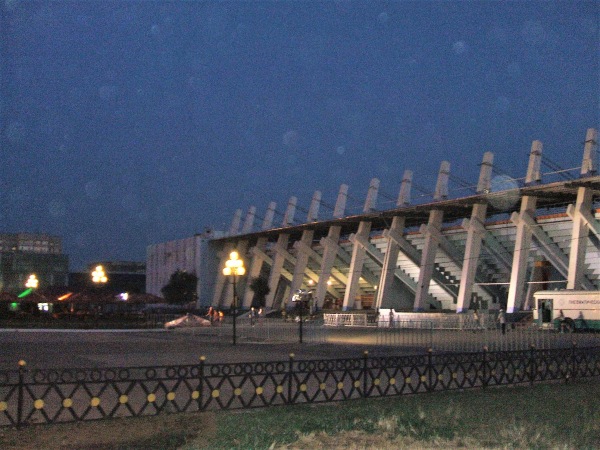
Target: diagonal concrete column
[256,264]
[249,220]
[330,247]
[306,239]
[436,217]
[358,251]
[474,237]
[579,241]
[516,290]
[280,250]
[551,250]
[393,249]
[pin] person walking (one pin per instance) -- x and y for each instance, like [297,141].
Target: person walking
[477,322]
[502,321]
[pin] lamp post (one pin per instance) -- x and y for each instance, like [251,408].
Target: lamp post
[301,297]
[234,267]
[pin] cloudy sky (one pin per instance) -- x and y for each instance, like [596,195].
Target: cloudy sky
[127,123]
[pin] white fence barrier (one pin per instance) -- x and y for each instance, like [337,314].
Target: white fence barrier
[388,318]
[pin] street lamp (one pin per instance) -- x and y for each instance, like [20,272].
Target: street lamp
[98,275]
[32,282]
[234,267]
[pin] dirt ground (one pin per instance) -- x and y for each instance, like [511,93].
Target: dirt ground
[156,432]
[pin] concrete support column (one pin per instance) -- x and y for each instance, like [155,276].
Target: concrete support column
[583,204]
[256,264]
[330,246]
[358,251]
[235,223]
[436,217]
[249,220]
[280,251]
[516,290]
[306,239]
[579,239]
[474,237]
[393,249]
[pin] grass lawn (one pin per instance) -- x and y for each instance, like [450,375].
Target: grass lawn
[543,416]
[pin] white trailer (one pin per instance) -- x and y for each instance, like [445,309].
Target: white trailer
[580,310]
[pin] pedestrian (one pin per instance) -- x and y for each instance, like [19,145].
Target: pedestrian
[502,321]
[210,314]
[561,321]
[477,320]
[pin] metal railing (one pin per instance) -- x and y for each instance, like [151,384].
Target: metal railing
[425,335]
[267,330]
[66,395]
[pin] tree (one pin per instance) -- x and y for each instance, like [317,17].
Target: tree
[181,288]
[260,287]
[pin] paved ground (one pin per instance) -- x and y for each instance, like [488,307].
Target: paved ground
[62,349]
[85,348]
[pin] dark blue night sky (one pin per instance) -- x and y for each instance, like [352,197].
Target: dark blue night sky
[128,123]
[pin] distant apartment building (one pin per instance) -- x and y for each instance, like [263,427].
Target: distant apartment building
[194,255]
[24,254]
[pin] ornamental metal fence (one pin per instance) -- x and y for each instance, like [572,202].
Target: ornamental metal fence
[32,396]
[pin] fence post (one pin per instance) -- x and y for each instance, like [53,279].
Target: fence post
[532,365]
[201,381]
[431,335]
[429,370]
[484,380]
[22,369]
[290,377]
[365,364]
[573,359]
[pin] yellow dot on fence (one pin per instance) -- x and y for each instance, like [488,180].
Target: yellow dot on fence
[455,375]
[171,396]
[423,378]
[259,390]
[38,404]
[440,377]
[340,385]
[151,398]
[279,389]
[215,393]
[357,384]
[303,387]
[393,380]
[195,395]
[123,399]
[3,406]
[237,391]
[95,401]
[493,372]
[407,380]
[376,381]
[322,386]
[67,402]
[517,371]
